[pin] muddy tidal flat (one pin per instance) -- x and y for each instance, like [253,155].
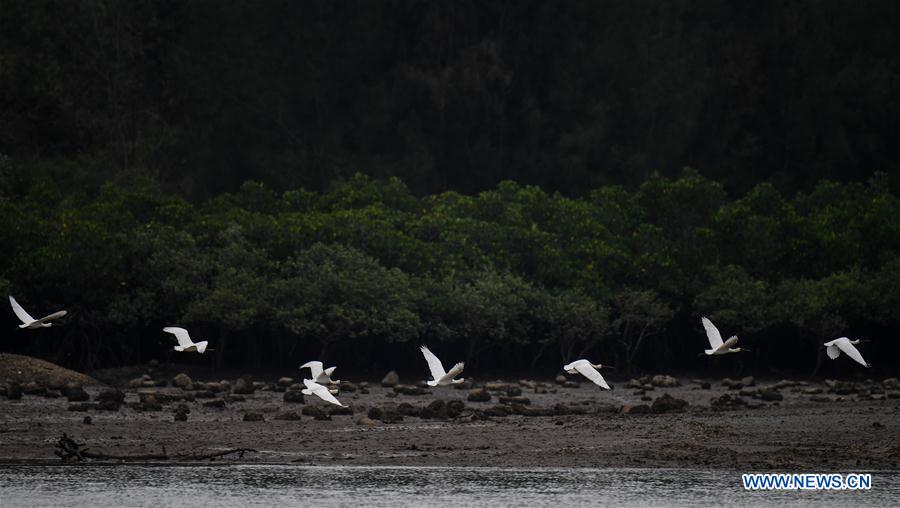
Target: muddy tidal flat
[750,424]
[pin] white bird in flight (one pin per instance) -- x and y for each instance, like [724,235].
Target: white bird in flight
[319,375]
[313,388]
[30,322]
[437,370]
[185,344]
[588,370]
[834,348]
[715,340]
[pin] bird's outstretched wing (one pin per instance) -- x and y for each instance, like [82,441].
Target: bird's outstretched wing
[315,368]
[184,339]
[434,365]
[321,392]
[456,370]
[20,312]
[51,317]
[712,333]
[588,371]
[833,351]
[851,351]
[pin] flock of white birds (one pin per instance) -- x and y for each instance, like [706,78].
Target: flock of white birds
[322,377]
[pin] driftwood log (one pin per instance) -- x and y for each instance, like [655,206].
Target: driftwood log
[67,449]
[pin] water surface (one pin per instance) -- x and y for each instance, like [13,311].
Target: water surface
[281,485]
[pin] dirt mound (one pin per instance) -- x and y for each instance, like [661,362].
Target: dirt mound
[22,369]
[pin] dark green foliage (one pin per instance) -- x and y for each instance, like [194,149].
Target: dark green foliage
[513,274]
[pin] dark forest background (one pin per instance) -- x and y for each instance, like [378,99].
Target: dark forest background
[516,183]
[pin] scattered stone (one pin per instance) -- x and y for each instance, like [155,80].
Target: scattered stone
[878,425]
[111,395]
[285,382]
[821,398]
[366,421]
[727,401]
[215,387]
[496,386]
[515,400]
[390,380]
[288,415]
[183,381]
[668,404]
[149,402]
[88,420]
[231,399]
[634,383]
[637,409]
[705,385]
[770,394]
[525,383]
[497,411]
[891,383]
[753,404]
[14,391]
[479,395]
[748,381]
[467,384]
[244,386]
[204,394]
[385,415]
[253,417]
[347,386]
[646,398]
[338,410]
[75,393]
[664,381]
[410,390]
[52,394]
[561,379]
[437,410]
[571,384]
[294,397]
[844,388]
[455,407]
[180,417]
[390,395]
[314,411]
[811,391]
[32,388]
[215,404]
[520,409]
[407,409]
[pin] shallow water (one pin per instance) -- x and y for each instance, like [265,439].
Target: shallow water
[281,485]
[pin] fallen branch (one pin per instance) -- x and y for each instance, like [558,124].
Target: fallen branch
[68,449]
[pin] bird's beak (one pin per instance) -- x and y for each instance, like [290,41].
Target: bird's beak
[865,340]
[745,349]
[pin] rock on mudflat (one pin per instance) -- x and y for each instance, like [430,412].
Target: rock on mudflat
[391,379]
[13,391]
[75,393]
[410,390]
[254,417]
[479,395]
[294,396]
[288,415]
[183,381]
[664,381]
[244,386]
[668,404]
[635,409]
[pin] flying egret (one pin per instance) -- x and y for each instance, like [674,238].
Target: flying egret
[319,375]
[437,370]
[844,344]
[313,388]
[30,322]
[715,340]
[588,370]
[185,344]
